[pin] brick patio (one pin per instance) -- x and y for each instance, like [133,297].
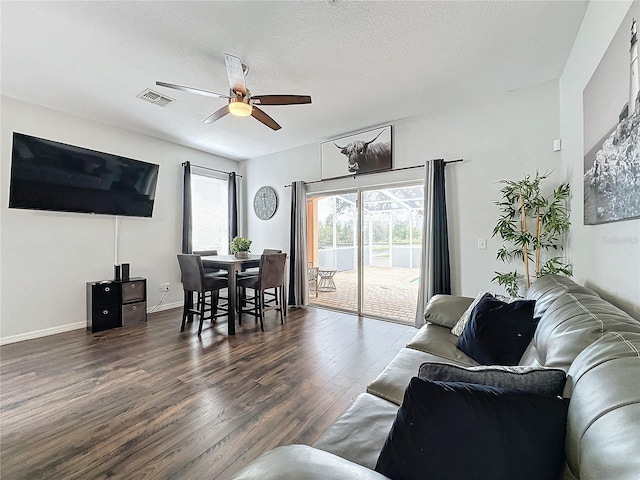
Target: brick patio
[391,293]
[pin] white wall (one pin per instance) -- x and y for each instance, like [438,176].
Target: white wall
[499,138]
[605,257]
[46,257]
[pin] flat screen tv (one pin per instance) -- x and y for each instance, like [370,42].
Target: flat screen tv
[48,175]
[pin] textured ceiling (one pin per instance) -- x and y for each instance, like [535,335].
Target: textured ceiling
[363,63]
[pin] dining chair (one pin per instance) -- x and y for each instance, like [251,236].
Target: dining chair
[271,296]
[194,280]
[216,272]
[254,271]
[270,276]
[208,253]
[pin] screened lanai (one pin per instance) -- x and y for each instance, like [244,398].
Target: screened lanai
[384,237]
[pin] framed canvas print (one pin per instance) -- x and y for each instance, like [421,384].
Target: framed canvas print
[364,152]
[611,106]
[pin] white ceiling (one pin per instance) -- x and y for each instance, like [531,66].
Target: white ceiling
[363,63]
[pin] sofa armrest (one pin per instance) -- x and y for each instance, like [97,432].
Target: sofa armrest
[446,310]
[301,462]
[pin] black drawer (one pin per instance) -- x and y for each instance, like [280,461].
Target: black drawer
[105,294]
[133,290]
[104,318]
[133,313]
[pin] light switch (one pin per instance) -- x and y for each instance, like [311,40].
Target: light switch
[482,244]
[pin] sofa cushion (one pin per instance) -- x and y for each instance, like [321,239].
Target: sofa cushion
[498,333]
[439,341]
[360,431]
[603,433]
[539,380]
[548,288]
[572,323]
[393,380]
[445,310]
[459,430]
[297,462]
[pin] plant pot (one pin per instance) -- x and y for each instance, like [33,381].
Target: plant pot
[242,254]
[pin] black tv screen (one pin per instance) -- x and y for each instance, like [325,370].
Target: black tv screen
[48,175]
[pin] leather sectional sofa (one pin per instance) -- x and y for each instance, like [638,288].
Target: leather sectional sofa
[594,342]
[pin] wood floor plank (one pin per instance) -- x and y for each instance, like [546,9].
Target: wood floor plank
[151,402]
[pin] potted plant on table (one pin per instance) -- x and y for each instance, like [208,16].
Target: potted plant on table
[240,247]
[530,224]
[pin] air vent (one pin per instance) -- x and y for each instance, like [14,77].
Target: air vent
[155,98]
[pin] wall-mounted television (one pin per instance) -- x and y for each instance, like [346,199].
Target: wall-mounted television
[48,175]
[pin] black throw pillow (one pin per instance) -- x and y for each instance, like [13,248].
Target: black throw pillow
[474,432]
[498,333]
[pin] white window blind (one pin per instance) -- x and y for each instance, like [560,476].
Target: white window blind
[210,212]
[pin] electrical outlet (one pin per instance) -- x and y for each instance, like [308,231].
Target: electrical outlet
[163,287]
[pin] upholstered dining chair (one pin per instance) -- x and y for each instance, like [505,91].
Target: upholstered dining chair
[270,296]
[214,271]
[193,280]
[270,276]
[254,271]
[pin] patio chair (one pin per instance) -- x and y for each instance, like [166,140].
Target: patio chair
[312,278]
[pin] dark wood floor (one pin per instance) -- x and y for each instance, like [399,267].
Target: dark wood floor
[149,402]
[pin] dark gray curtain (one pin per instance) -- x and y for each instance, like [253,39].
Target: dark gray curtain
[435,274]
[233,207]
[298,294]
[441,270]
[187,240]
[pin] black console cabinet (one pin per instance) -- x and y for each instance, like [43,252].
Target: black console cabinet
[116,303]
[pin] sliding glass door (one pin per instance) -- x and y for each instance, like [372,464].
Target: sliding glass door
[333,242]
[391,238]
[366,245]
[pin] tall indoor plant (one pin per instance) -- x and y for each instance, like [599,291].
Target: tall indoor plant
[529,225]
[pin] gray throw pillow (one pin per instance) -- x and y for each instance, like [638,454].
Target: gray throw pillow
[445,310]
[539,380]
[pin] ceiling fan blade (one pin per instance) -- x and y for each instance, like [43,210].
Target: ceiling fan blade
[281,99]
[264,118]
[235,73]
[192,90]
[217,115]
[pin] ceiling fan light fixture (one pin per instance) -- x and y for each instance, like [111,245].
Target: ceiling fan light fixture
[240,108]
[240,102]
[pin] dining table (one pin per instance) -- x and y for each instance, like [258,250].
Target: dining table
[232,265]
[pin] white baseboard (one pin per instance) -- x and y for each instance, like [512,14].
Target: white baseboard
[43,333]
[69,326]
[165,306]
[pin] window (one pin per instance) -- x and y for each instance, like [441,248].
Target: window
[210,212]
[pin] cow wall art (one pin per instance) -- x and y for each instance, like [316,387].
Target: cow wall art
[364,152]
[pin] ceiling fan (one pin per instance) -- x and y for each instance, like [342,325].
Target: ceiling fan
[240,101]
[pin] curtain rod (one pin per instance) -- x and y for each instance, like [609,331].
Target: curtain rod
[209,168]
[385,171]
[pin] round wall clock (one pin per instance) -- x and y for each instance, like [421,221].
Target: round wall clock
[265,203]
